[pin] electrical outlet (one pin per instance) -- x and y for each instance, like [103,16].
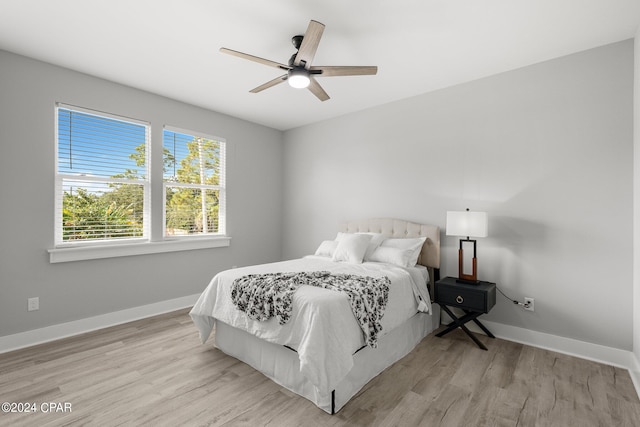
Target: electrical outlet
[528,302]
[33,304]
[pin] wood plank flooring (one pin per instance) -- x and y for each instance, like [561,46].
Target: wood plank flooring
[155,372]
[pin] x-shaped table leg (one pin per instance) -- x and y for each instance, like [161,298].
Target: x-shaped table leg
[458,322]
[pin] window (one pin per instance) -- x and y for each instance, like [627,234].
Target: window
[102,182]
[194,191]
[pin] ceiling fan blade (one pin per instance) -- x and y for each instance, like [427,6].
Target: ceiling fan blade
[309,44]
[254,58]
[345,71]
[269,84]
[317,90]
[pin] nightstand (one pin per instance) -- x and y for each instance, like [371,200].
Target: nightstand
[473,299]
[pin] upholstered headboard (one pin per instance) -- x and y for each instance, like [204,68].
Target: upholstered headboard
[389,227]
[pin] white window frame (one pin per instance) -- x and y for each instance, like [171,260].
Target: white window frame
[221,188]
[62,177]
[97,249]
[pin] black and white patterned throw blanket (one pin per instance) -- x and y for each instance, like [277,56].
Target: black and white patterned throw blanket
[263,296]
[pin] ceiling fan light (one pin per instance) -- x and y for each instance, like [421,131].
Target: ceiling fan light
[298,78]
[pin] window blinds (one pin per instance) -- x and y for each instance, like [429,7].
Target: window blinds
[194,168]
[101,176]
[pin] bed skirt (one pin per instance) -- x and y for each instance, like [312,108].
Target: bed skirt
[282,366]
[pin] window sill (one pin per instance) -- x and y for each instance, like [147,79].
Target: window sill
[81,253]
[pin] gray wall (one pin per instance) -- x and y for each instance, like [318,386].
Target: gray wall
[75,290]
[546,150]
[636,203]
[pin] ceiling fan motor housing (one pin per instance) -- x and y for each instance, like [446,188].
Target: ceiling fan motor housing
[297,41]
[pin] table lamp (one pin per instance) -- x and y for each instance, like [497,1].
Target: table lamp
[467,224]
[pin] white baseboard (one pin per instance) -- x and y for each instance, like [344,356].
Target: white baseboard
[77,327]
[584,350]
[634,372]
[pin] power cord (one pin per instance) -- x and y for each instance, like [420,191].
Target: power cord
[523,304]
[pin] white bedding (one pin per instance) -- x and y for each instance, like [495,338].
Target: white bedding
[322,328]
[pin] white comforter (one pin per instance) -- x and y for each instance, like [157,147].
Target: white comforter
[322,328]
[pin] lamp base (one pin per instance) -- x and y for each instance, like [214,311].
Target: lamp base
[467,278]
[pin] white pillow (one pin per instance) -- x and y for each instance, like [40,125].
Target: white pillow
[340,235]
[412,245]
[376,240]
[327,248]
[395,256]
[351,247]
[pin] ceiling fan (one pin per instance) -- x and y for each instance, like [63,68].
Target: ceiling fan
[300,73]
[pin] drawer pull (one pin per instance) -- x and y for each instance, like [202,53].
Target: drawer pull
[459,299]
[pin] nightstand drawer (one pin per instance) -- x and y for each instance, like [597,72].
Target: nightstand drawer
[480,297]
[466,299]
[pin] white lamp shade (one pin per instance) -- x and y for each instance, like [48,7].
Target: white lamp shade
[466,223]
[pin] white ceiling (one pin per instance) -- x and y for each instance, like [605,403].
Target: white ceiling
[170,47]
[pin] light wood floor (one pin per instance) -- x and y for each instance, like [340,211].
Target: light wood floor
[155,372]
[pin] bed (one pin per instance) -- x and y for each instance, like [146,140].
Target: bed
[323,351]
